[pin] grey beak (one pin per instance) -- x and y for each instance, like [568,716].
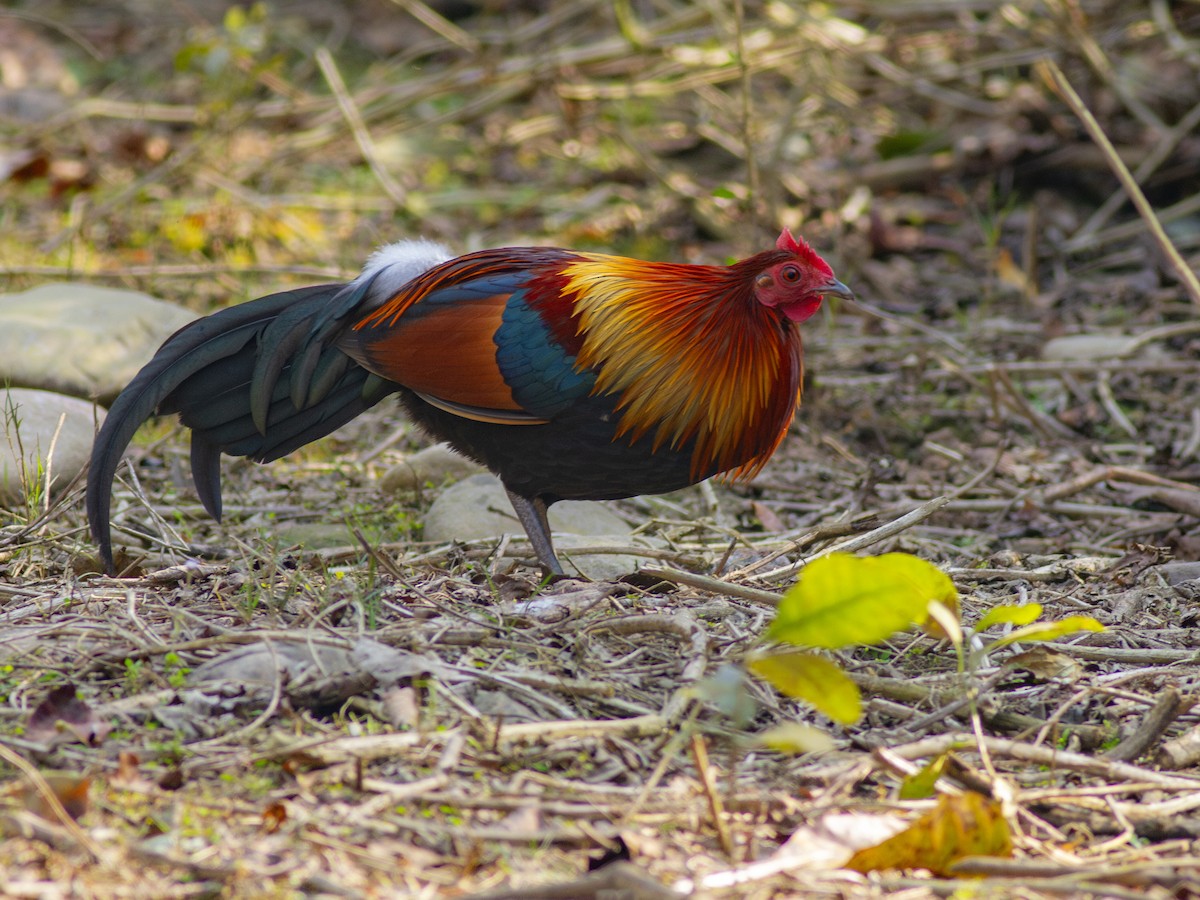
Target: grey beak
[837,289]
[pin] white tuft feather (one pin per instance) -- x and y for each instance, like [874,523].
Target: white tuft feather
[394,265]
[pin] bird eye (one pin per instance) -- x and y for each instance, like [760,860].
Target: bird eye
[790,274]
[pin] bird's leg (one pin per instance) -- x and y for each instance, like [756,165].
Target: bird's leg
[532,514]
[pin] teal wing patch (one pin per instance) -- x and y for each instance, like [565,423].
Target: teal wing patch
[541,374]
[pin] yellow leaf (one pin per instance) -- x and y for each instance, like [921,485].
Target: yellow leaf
[943,623]
[298,229]
[829,839]
[814,679]
[1047,631]
[239,257]
[188,233]
[235,19]
[794,737]
[968,825]
[1010,615]
[843,600]
[1009,273]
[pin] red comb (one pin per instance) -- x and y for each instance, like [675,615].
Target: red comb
[801,248]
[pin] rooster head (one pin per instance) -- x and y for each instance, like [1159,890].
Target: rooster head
[796,284]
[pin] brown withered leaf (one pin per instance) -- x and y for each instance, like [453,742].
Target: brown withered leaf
[1126,570]
[129,774]
[1047,664]
[128,767]
[62,718]
[23,164]
[1010,274]
[966,825]
[136,145]
[767,517]
[273,817]
[70,788]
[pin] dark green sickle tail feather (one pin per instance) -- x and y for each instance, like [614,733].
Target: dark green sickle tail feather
[211,372]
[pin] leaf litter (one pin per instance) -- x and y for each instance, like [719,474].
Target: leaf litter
[1012,398]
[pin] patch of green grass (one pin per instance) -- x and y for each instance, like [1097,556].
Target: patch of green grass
[176,670]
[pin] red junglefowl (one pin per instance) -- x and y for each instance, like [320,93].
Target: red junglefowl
[570,375]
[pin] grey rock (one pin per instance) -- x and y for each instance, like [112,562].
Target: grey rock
[80,339]
[310,675]
[31,427]
[1177,573]
[500,705]
[433,465]
[598,566]
[262,663]
[31,104]
[1089,347]
[479,508]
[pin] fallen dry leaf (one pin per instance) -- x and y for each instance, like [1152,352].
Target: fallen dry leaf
[62,718]
[129,773]
[832,840]
[70,788]
[966,825]
[273,818]
[1046,664]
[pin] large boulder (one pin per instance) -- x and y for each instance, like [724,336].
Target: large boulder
[478,507]
[433,466]
[80,339]
[31,427]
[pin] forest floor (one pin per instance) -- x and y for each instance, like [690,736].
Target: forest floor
[1012,397]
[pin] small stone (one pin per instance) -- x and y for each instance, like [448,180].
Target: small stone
[1090,347]
[597,566]
[431,466]
[82,340]
[31,426]
[1176,573]
[479,508]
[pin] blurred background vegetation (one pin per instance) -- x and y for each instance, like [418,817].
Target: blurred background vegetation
[149,143]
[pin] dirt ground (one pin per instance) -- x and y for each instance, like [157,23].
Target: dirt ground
[1013,397]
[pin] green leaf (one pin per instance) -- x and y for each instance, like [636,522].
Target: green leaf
[813,679]
[1046,631]
[727,690]
[922,784]
[1010,615]
[842,600]
[909,143]
[794,737]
